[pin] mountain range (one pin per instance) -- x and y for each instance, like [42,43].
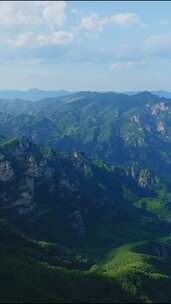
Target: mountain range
[116,128]
[36,94]
[160,93]
[85,199]
[32,94]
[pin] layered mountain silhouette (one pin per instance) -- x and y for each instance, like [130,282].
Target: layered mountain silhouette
[113,127]
[85,199]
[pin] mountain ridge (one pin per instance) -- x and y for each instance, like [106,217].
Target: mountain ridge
[128,246]
[85,199]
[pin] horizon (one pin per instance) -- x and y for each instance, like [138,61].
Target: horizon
[83,90]
[89,45]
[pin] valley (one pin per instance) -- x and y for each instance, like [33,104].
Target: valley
[85,199]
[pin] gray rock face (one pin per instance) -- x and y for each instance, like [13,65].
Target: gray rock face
[77,224]
[34,169]
[142,176]
[6,171]
[61,195]
[30,185]
[159,107]
[22,205]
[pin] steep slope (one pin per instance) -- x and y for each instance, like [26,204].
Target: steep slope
[141,269]
[41,272]
[113,127]
[69,228]
[73,200]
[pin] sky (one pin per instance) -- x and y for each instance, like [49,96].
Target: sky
[85,45]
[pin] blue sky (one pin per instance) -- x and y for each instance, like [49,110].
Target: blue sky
[85,45]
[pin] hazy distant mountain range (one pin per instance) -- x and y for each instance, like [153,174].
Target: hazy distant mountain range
[36,94]
[32,94]
[160,93]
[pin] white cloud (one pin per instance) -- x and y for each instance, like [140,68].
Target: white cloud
[17,13]
[125,19]
[31,40]
[123,65]
[94,22]
[53,13]
[32,15]
[117,66]
[13,13]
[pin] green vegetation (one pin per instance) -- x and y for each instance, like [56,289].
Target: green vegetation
[41,272]
[29,275]
[141,270]
[91,222]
